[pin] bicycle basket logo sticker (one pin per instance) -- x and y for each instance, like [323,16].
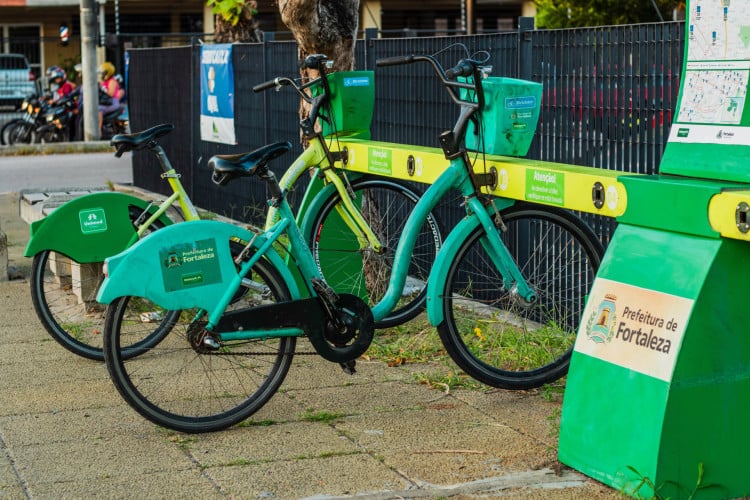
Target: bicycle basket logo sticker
[186,265]
[601,323]
[92,220]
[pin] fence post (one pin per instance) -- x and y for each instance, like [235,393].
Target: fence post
[268,38]
[525,27]
[370,35]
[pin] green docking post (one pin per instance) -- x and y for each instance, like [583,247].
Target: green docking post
[657,400]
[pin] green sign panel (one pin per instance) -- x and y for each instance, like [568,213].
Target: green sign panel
[187,265]
[710,135]
[379,161]
[545,186]
[92,220]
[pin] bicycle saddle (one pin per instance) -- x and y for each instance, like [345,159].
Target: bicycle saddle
[228,167]
[139,140]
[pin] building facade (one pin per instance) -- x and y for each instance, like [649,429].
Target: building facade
[48,31]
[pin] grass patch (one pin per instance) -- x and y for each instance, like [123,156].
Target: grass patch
[258,423]
[414,342]
[327,417]
[449,380]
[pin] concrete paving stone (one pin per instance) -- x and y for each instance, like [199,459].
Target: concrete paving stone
[460,443]
[68,366]
[315,372]
[174,485]
[280,442]
[119,457]
[544,484]
[60,396]
[282,407]
[91,424]
[378,398]
[527,412]
[10,486]
[299,478]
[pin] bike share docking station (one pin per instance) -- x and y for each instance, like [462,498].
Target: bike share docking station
[657,400]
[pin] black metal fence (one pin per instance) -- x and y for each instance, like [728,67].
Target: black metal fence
[609,96]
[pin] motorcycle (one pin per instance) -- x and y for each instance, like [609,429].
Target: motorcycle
[23,130]
[60,119]
[113,123]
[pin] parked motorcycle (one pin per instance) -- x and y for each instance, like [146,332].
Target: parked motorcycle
[113,123]
[22,130]
[60,120]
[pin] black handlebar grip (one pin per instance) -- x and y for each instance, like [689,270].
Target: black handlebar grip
[313,61]
[463,68]
[394,61]
[267,85]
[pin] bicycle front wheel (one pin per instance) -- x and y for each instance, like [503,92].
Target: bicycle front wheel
[348,268]
[488,331]
[190,385]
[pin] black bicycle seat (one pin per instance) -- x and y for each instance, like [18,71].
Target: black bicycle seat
[228,167]
[138,140]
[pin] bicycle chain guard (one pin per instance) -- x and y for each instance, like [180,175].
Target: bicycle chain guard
[309,315]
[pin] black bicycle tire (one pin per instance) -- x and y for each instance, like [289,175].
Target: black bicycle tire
[535,376]
[67,339]
[133,395]
[413,308]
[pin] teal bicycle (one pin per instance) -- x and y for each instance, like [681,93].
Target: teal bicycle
[510,281]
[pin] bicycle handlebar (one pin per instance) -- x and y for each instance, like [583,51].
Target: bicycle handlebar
[470,103]
[395,61]
[276,82]
[317,62]
[465,67]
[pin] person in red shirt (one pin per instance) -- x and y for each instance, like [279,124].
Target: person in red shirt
[58,83]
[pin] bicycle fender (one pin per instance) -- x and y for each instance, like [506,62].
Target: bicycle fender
[88,228]
[183,266]
[439,273]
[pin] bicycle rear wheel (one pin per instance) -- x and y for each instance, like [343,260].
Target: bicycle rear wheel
[63,292]
[183,384]
[488,332]
[385,206]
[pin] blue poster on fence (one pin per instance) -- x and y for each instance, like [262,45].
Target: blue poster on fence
[217,94]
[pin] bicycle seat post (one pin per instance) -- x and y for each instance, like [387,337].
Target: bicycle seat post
[161,155]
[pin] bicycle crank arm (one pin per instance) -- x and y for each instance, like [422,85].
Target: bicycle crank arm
[309,316]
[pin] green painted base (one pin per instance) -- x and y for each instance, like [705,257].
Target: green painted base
[638,418]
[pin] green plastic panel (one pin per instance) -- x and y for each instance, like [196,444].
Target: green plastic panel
[89,228]
[509,118]
[352,103]
[186,265]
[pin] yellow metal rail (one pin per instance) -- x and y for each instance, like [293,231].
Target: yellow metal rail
[586,189]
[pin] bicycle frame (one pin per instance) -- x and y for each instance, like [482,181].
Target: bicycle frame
[316,155]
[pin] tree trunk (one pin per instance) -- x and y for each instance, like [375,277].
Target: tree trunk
[246,30]
[323,27]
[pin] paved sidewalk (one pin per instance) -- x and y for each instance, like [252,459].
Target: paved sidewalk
[66,433]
